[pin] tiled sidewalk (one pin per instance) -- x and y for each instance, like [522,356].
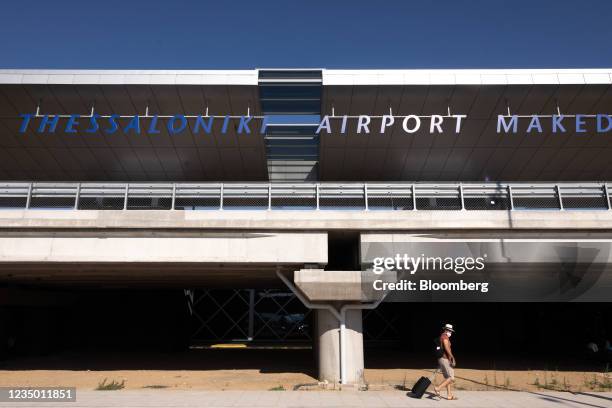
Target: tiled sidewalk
[331,399]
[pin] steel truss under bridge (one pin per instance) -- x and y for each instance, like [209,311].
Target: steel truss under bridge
[247,315]
[271,316]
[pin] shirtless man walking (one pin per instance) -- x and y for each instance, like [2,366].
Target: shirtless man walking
[446,362]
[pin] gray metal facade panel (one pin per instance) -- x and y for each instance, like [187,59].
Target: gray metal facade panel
[475,154]
[99,156]
[478,152]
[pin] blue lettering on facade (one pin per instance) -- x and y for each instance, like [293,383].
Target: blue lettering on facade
[134,124]
[72,122]
[114,126]
[172,128]
[556,123]
[25,122]
[46,121]
[582,123]
[93,124]
[200,123]
[244,124]
[600,123]
[153,126]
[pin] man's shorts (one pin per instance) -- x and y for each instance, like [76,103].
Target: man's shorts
[445,368]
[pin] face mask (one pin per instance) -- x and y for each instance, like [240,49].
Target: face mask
[449,333]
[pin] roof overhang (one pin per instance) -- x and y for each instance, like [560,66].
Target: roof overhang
[330,77]
[467,77]
[477,153]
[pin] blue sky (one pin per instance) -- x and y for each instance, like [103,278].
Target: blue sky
[227,34]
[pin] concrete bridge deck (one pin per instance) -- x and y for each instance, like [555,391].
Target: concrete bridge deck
[307,219]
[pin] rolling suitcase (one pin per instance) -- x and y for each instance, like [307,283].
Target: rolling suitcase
[421,386]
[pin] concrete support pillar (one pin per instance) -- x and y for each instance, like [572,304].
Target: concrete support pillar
[328,346]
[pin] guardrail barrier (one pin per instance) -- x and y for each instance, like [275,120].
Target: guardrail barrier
[305,196]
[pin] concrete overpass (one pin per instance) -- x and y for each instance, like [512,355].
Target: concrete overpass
[269,248]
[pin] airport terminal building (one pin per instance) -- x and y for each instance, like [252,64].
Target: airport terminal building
[254,206]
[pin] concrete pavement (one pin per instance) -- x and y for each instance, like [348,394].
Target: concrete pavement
[328,399]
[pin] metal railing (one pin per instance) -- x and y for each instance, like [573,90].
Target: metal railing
[306,196]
